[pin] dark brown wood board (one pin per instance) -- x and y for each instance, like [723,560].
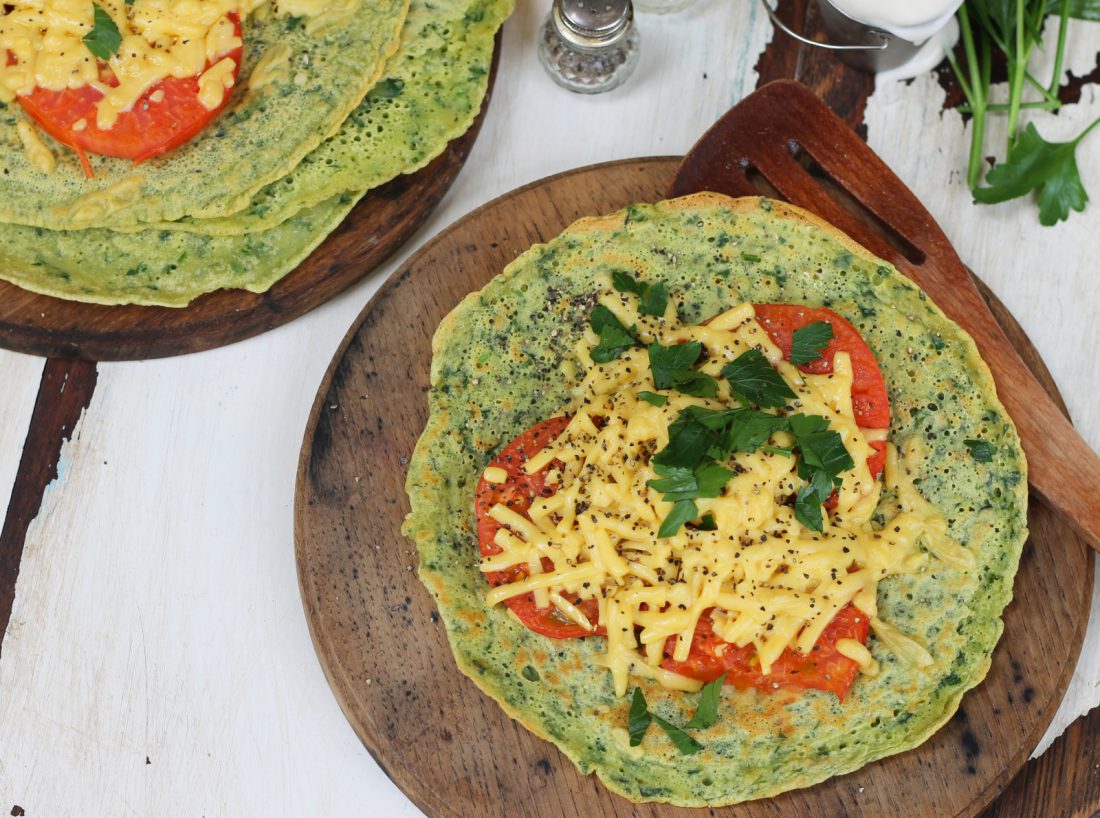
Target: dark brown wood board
[450,748]
[784,141]
[376,228]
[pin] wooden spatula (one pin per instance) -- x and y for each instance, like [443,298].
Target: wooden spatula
[784,142]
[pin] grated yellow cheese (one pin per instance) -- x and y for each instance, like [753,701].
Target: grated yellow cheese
[761,576]
[160,39]
[39,154]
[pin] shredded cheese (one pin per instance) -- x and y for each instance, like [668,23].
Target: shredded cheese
[760,576]
[39,154]
[160,39]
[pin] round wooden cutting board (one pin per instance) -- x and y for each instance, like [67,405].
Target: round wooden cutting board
[380,223]
[450,748]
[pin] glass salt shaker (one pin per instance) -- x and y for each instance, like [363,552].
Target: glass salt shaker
[589,46]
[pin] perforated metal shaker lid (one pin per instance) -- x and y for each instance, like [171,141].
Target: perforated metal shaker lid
[592,24]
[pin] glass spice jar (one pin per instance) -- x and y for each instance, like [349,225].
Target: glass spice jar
[589,46]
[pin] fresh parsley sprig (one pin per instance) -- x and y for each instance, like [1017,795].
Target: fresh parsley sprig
[672,369]
[753,379]
[652,298]
[615,339]
[706,715]
[104,38]
[807,342]
[1015,29]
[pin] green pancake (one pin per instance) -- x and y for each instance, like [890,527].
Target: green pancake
[160,267]
[497,369]
[260,138]
[431,92]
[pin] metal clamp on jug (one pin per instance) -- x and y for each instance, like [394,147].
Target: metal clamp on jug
[883,35]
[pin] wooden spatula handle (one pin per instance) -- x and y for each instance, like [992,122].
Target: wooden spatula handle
[784,141]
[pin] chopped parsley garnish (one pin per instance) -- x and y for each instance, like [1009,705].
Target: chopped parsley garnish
[671,367]
[752,378]
[752,258]
[615,339]
[823,459]
[822,449]
[684,743]
[981,450]
[652,298]
[683,512]
[707,523]
[653,398]
[749,429]
[104,39]
[639,719]
[808,341]
[706,714]
[682,483]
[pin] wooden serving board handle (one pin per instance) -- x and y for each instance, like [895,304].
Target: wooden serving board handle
[784,142]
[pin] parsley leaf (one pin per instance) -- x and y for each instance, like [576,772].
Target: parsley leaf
[684,743]
[626,283]
[679,483]
[652,298]
[808,341]
[653,398]
[667,361]
[615,339]
[823,459]
[807,509]
[1048,168]
[707,523]
[639,718]
[104,38]
[671,367]
[981,450]
[684,511]
[706,714]
[777,450]
[821,447]
[749,429]
[753,378]
[689,440]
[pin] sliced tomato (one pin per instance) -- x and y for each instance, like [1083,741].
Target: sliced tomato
[870,402]
[166,116]
[824,668]
[517,492]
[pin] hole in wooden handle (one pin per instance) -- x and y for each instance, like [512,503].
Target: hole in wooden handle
[852,205]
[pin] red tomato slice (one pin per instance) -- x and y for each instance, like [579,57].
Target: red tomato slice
[869,399]
[150,128]
[825,668]
[517,493]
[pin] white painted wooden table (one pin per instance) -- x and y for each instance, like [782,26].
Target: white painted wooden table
[157,662]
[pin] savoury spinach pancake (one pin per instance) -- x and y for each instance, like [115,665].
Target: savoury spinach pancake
[432,89]
[333,55]
[507,358]
[430,93]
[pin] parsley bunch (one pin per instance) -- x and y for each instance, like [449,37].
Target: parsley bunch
[1014,29]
